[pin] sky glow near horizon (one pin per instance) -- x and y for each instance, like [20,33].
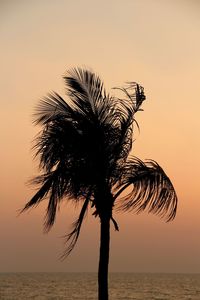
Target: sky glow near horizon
[157,44]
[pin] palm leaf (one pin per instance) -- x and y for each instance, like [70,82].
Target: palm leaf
[46,181]
[52,107]
[134,95]
[152,189]
[86,91]
[72,237]
[54,185]
[126,110]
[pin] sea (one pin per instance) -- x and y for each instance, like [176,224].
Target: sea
[83,286]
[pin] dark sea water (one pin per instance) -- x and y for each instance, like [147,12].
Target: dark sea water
[124,286]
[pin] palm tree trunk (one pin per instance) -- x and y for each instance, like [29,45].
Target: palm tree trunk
[104,259]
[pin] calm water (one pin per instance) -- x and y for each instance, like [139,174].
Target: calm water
[80,286]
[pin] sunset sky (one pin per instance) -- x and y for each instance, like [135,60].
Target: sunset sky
[157,44]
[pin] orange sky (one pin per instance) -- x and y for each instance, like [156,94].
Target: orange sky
[156,43]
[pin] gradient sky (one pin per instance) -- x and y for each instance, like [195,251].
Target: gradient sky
[156,43]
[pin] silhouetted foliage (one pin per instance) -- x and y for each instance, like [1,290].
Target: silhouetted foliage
[84,149]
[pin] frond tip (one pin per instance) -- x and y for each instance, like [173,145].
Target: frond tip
[72,237]
[152,190]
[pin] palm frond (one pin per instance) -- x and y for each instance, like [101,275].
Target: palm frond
[84,88]
[72,237]
[54,185]
[126,110]
[152,189]
[56,143]
[87,92]
[134,95]
[52,107]
[46,181]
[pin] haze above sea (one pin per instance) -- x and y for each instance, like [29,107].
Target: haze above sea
[123,286]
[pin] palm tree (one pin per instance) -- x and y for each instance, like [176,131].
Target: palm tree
[84,150]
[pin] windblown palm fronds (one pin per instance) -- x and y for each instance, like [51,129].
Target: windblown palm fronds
[151,190]
[83,151]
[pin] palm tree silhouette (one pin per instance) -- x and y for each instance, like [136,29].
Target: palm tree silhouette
[83,150]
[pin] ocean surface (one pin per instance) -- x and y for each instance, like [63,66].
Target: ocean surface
[80,286]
